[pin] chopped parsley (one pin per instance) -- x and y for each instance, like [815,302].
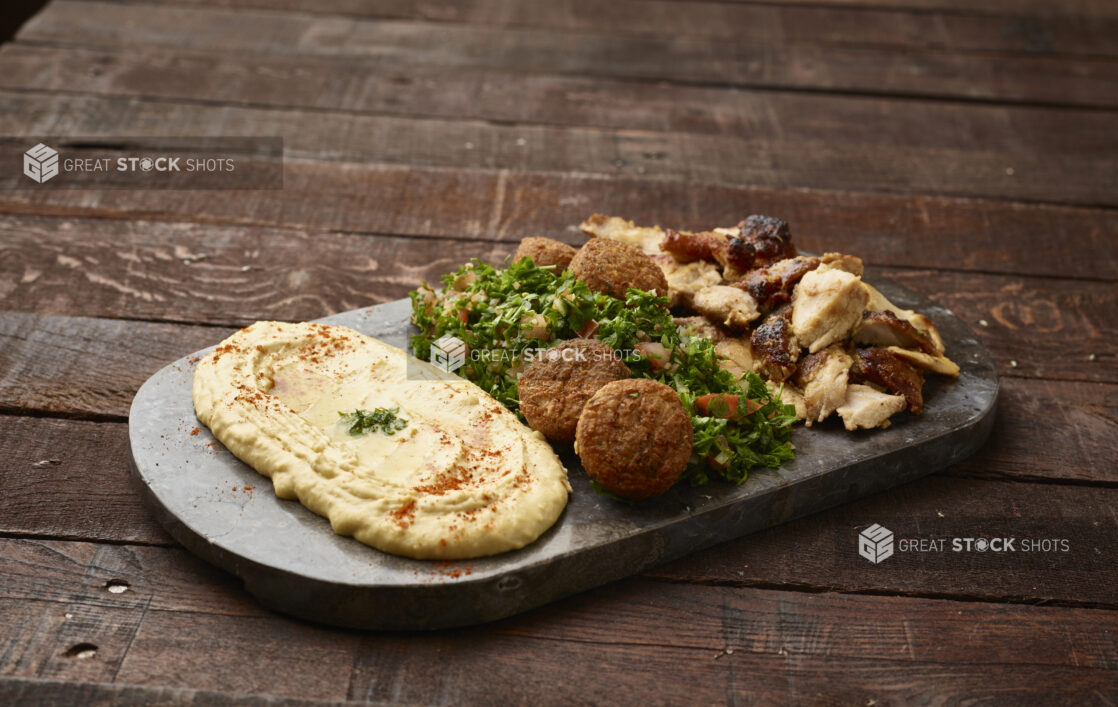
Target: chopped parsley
[379,420]
[502,314]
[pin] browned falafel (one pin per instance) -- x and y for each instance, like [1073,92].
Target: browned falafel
[545,251]
[634,438]
[612,267]
[554,388]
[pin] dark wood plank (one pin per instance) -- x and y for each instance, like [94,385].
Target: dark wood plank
[1075,167]
[343,83]
[1041,9]
[962,234]
[215,275]
[89,494]
[70,479]
[1068,325]
[29,691]
[818,553]
[87,367]
[888,647]
[1031,323]
[1073,431]
[766,60]
[748,22]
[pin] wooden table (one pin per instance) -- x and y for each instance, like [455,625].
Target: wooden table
[970,153]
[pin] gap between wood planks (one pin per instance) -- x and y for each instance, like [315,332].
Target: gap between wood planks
[940,164]
[601,54]
[895,94]
[894,230]
[789,643]
[656,575]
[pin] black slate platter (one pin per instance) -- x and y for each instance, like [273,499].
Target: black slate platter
[291,561]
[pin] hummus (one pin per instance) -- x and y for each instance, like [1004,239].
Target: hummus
[462,478]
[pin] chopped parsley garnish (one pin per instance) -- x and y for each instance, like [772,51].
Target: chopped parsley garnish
[502,314]
[379,420]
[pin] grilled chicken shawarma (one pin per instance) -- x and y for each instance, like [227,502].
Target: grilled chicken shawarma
[840,261]
[769,238]
[685,279]
[934,364]
[727,306]
[688,247]
[775,350]
[824,377]
[866,408]
[807,323]
[826,306]
[878,303]
[885,368]
[646,240]
[789,395]
[772,287]
[734,353]
[886,329]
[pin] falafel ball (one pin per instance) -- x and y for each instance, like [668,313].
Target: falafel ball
[634,438]
[554,388]
[545,251]
[612,267]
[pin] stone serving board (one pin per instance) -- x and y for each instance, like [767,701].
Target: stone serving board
[291,561]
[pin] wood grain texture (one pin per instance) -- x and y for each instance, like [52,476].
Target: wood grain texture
[345,84]
[1073,171]
[1040,9]
[1075,423]
[31,691]
[1019,30]
[422,133]
[766,60]
[70,479]
[794,643]
[87,367]
[886,230]
[1069,324]
[215,275]
[55,500]
[817,553]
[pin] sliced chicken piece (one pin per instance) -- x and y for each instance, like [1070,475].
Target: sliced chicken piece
[866,408]
[646,240]
[735,354]
[685,279]
[726,306]
[772,286]
[885,368]
[936,364]
[769,237]
[839,261]
[736,256]
[789,395]
[687,247]
[887,329]
[878,303]
[701,326]
[823,377]
[775,350]
[826,306]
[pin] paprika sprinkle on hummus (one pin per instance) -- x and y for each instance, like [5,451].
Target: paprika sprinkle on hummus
[442,471]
